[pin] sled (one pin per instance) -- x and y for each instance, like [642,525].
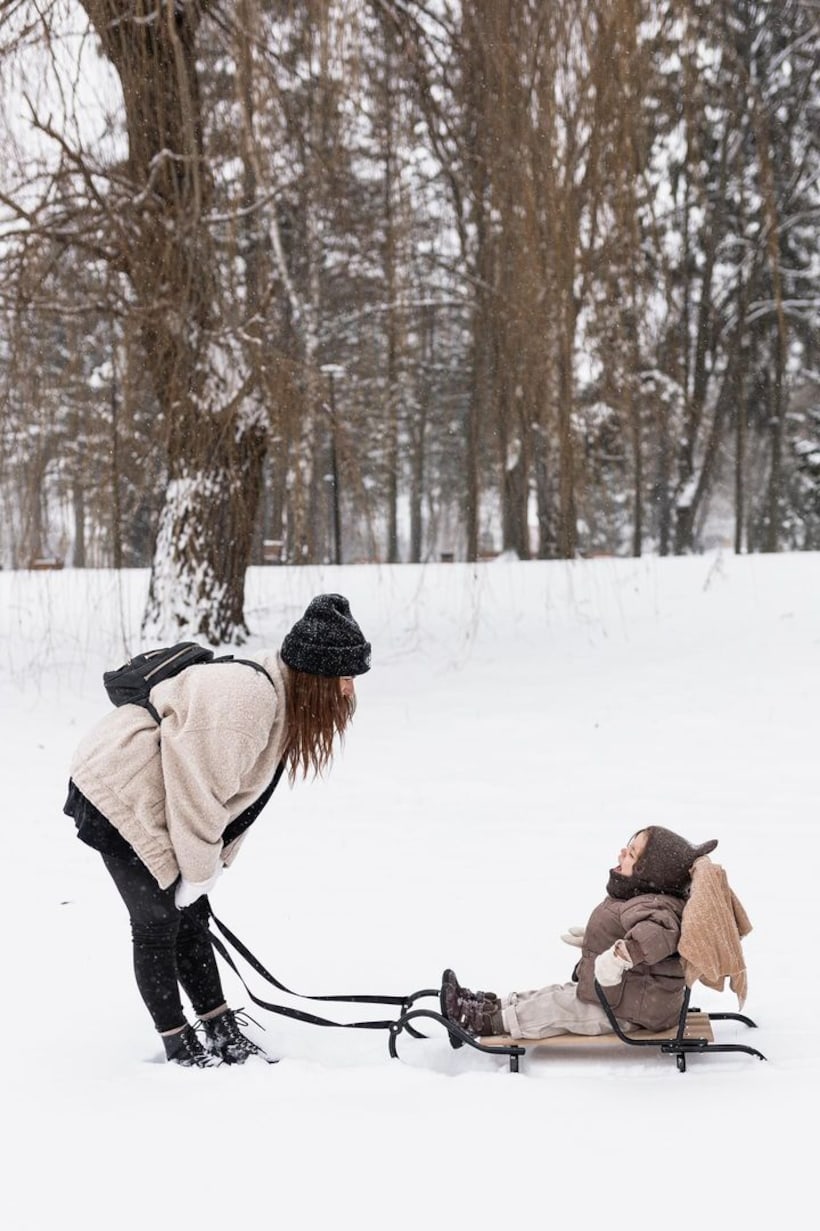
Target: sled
[693,1034]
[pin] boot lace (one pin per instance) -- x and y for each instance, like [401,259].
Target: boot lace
[190,1053]
[227,1040]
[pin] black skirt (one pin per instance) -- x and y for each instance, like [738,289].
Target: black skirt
[93,828]
[97,831]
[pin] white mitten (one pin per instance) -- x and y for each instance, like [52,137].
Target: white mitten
[610,966]
[187,892]
[574,936]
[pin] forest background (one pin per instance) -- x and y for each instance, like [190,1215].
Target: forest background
[375,280]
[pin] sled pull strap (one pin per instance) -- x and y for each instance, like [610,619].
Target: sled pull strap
[311,1018]
[245,952]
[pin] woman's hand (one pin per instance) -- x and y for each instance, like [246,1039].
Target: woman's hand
[187,892]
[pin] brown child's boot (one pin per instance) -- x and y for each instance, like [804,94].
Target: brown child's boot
[478,1013]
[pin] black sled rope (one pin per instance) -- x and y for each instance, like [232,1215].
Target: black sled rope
[404,1002]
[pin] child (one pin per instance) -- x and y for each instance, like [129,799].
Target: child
[629,945]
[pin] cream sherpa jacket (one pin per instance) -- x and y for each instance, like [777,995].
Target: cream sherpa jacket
[172,790]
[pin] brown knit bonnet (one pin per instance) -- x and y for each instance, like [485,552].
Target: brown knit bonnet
[667,858]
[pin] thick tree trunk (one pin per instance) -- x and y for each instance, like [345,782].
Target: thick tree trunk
[543,491]
[200,376]
[208,516]
[515,490]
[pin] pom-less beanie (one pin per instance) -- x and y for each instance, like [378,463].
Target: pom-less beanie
[327,640]
[666,860]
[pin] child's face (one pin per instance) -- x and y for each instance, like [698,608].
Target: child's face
[631,853]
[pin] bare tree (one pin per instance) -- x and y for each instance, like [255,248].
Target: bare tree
[148,219]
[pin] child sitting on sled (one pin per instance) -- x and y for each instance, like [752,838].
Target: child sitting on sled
[629,945]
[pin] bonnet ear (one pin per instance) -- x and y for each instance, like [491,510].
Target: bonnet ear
[666,862]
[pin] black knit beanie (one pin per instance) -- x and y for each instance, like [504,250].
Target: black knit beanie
[327,640]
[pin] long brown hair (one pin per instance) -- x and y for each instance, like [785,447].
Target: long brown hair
[317,713]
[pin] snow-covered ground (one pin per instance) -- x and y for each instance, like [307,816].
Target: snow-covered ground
[519,723]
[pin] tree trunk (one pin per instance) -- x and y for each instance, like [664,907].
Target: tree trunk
[515,489]
[199,373]
[418,431]
[662,487]
[482,380]
[740,459]
[78,508]
[208,516]
[567,516]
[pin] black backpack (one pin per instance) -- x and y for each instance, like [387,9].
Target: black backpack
[131,683]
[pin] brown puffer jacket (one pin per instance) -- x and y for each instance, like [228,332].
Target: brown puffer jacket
[651,993]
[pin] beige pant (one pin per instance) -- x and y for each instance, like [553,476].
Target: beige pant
[554,1010]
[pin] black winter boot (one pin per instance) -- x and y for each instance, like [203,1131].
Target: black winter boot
[226,1040]
[185,1048]
[479,1013]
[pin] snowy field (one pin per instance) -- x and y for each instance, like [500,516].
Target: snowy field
[520,722]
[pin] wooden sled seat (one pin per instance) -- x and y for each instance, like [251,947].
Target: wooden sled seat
[698,1026]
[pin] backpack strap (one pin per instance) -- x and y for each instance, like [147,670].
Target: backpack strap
[246,662]
[223,658]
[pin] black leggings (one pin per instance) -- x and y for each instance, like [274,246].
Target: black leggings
[171,947]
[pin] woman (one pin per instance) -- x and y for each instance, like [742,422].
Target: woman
[630,945]
[168,806]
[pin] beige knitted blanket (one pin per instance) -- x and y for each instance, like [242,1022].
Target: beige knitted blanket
[713,925]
